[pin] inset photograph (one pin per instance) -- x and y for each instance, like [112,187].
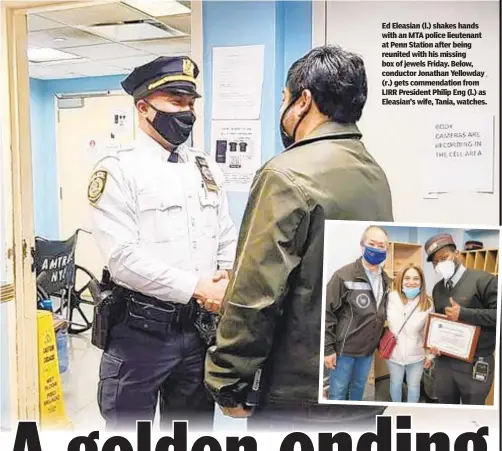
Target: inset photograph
[411,314]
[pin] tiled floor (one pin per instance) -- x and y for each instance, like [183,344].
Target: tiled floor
[80,386]
[80,383]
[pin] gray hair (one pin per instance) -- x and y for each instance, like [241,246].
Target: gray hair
[372,227]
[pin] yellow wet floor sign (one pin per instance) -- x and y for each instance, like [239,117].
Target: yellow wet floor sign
[52,409]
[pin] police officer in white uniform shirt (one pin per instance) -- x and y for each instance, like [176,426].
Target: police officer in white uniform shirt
[160,218]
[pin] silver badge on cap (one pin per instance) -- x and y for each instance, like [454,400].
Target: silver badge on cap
[432,247]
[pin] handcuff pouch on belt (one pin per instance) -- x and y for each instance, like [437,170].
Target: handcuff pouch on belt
[151,316]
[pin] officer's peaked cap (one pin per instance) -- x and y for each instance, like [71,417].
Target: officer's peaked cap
[437,242]
[176,74]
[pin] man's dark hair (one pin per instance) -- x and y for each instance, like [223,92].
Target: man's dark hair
[337,80]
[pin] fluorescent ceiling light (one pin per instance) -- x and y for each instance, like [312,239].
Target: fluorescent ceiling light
[45,55]
[159,8]
[131,32]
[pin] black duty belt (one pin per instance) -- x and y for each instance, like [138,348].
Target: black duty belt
[154,313]
[160,318]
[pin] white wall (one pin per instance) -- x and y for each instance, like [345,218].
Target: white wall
[341,245]
[490,239]
[398,136]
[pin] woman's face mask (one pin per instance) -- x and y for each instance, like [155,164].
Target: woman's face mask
[411,292]
[412,283]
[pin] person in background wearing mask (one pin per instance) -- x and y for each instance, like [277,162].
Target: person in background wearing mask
[467,295]
[161,221]
[356,302]
[267,345]
[407,313]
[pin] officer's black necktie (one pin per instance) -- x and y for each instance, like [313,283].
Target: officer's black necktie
[449,285]
[173,158]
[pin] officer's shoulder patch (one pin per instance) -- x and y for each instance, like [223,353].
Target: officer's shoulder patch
[97,186]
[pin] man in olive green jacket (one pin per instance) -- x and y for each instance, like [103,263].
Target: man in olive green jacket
[268,343]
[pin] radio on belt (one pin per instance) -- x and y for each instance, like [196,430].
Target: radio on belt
[480,370]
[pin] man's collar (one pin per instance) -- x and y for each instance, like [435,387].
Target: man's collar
[145,143]
[369,271]
[333,128]
[458,274]
[328,129]
[362,270]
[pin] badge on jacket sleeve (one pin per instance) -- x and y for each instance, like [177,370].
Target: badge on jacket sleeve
[96,186]
[206,173]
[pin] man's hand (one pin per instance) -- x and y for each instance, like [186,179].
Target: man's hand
[236,412]
[435,352]
[210,305]
[427,363]
[453,312]
[330,361]
[209,294]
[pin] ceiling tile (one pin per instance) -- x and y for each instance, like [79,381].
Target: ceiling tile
[94,69]
[63,38]
[132,31]
[106,51]
[129,64]
[37,23]
[182,23]
[156,8]
[52,72]
[102,56]
[163,46]
[89,15]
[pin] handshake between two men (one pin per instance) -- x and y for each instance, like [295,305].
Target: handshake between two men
[209,292]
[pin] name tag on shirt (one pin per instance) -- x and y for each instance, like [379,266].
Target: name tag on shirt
[206,174]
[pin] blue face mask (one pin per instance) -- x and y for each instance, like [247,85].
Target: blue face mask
[411,293]
[374,256]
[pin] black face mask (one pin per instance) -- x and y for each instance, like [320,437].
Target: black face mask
[288,140]
[175,128]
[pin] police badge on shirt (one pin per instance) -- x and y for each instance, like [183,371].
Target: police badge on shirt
[96,186]
[207,175]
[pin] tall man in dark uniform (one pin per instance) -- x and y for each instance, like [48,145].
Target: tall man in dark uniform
[160,218]
[271,322]
[467,295]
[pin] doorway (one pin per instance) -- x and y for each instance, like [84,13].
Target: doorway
[87,128]
[66,106]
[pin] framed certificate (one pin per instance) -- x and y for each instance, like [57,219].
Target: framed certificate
[452,338]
